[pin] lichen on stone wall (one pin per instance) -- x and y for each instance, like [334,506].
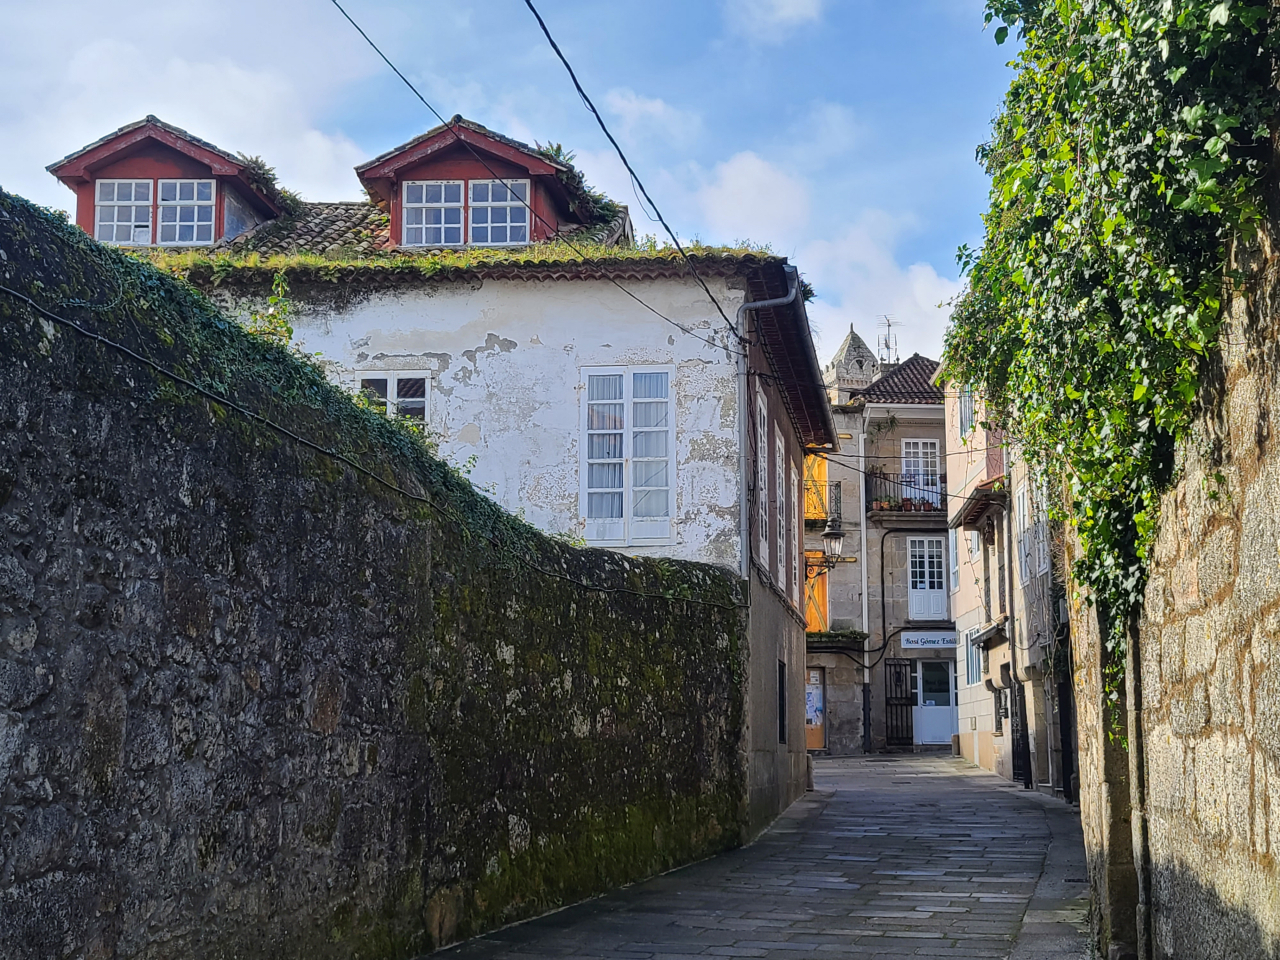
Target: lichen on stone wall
[260,698]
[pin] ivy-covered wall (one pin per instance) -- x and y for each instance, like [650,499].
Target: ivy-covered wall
[309,696]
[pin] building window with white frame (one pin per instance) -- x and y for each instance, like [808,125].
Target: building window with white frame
[628,456]
[973,656]
[966,410]
[762,478]
[953,547]
[402,394]
[780,509]
[927,593]
[122,212]
[1022,542]
[920,471]
[499,212]
[186,212]
[433,213]
[797,524]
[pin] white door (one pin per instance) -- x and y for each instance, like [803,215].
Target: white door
[935,719]
[927,593]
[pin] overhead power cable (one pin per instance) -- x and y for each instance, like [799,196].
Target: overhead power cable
[525,202]
[635,177]
[341,457]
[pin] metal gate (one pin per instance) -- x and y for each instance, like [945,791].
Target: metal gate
[1021,742]
[899,697]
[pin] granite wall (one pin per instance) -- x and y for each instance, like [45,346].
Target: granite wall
[1183,826]
[259,700]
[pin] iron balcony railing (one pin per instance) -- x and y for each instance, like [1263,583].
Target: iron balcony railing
[906,492]
[821,501]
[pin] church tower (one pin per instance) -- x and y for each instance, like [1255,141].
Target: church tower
[854,367]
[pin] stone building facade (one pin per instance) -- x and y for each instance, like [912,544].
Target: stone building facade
[881,641]
[1183,829]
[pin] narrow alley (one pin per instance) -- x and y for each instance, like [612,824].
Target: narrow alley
[910,856]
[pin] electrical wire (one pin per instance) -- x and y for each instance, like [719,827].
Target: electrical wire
[627,163]
[339,457]
[534,213]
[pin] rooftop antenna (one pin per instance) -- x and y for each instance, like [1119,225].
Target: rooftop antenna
[887,342]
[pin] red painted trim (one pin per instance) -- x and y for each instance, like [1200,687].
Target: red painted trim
[81,167]
[446,138]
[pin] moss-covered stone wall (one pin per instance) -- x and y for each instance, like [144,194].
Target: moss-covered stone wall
[257,702]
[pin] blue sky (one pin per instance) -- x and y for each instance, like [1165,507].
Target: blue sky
[841,132]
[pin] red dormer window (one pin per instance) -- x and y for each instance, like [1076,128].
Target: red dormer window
[152,184]
[433,213]
[499,212]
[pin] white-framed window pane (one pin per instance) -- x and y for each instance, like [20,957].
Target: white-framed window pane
[186,211]
[604,476]
[606,387]
[432,213]
[122,213]
[604,506]
[650,473]
[650,443]
[499,212]
[651,503]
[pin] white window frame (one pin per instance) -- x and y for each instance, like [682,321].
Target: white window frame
[1022,521]
[797,524]
[1040,528]
[966,410]
[523,204]
[925,553]
[178,204]
[922,482]
[460,206]
[973,657]
[762,477]
[780,511]
[953,548]
[356,378]
[629,530]
[98,204]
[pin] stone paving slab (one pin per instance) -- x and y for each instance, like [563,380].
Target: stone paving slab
[889,857]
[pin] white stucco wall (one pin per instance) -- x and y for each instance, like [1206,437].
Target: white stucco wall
[506,361]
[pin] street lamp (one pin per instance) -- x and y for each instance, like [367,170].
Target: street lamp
[832,549]
[832,540]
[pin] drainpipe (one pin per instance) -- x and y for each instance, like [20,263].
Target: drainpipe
[866,610]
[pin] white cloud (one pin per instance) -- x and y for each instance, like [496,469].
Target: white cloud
[114,72]
[770,21]
[651,118]
[857,279]
[749,198]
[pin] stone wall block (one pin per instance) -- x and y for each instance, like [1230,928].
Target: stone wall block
[1200,646]
[1184,583]
[1226,694]
[1258,582]
[1189,711]
[1216,563]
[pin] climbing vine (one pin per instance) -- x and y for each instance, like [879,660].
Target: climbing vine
[1129,155]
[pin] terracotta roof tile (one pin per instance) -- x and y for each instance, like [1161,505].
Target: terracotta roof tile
[909,382]
[350,229]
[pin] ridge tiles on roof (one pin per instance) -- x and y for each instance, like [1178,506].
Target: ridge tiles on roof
[909,382]
[149,119]
[461,121]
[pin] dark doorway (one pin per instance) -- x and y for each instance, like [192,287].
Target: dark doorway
[899,698]
[1067,732]
[1021,741]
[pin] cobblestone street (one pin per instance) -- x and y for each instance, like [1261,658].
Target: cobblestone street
[914,856]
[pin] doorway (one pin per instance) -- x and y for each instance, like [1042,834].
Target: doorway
[815,709]
[899,701]
[935,718]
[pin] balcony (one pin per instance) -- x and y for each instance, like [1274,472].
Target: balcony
[821,502]
[906,492]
